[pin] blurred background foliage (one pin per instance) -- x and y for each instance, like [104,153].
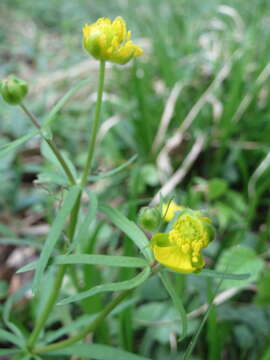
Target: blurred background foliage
[209,63]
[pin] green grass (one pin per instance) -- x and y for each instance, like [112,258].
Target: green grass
[188,43]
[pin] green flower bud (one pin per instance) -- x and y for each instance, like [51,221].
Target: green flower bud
[149,218]
[13,90]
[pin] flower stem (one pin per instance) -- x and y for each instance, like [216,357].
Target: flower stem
[81,335]
[95,126]
[72,226]
[51,145]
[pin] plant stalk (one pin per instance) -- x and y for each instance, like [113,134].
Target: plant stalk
[51,145]
[95,126]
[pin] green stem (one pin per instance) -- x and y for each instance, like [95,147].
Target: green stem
[72,226]
[95,126]
[48,306]
[51,145]
[81,335]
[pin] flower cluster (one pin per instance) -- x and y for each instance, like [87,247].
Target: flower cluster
[110,41]
[180,249]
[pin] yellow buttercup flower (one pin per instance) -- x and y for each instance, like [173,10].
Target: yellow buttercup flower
[169,209]
[110,41]
[180,249]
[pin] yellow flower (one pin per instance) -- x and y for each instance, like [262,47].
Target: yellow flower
[169,209]
[180,249]
[110,41]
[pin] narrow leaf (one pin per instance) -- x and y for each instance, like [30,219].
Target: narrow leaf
[58,106]
[117,286]
[129,228]
[8,307]
[84,228]
[118,261]
[176,301]
[7,336]
[98,352]
[106,260]
[54,234]
[195,338]
[20,242]
[8,352]
[114,171]
[218,274]
[6,148]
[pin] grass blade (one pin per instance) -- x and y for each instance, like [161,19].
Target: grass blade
[54,234]
[117,286]
[129,228]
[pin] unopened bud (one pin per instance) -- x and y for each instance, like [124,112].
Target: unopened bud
[149,218]
[13,90]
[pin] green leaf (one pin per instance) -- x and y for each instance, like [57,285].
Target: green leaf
[4,287]
[106,260]
[239,259]
[8,352]
[69,329]
[114,171]
[176,301]
[262,296]
[189,349]
[7,336]
[54,234]
[51,157]
[217,274]
[117,286]
[58,106]
[8,307]
[5,149]
[129,228]
[216,188]
[98,352]
[84,227]
[20,242]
